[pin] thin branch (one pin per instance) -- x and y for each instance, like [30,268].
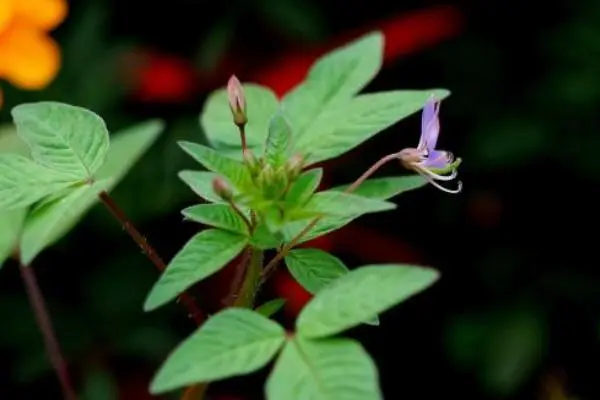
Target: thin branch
[119,214]
[296,239]
[42,317]
[380,163]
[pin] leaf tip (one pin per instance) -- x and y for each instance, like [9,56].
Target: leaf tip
[153,301]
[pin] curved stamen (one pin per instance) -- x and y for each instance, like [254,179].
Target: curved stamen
[438,177]
[443,189]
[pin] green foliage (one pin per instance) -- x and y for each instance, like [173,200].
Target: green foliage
[217,215]
[72,163]
[65,138]
[314,269]
[201,183]
[278,140]
[23,182]
[260,201]
[270,307]
[233,342]
[345,125]
[331,202]
[212,160]
[321,118]
[202,256]
[334,78]
[303,188]
[332,369]
[51,219]
[360,294]
[55,217]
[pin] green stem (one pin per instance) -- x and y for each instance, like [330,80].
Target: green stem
[245,298]
[251,281]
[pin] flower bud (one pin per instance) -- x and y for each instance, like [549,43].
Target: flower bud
[237,101]
[222,188]
[294,166]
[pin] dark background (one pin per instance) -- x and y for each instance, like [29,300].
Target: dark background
[516,314]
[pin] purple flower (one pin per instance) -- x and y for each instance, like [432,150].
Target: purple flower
[430,163]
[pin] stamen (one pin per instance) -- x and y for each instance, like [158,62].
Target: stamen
[443,189]
[438,177]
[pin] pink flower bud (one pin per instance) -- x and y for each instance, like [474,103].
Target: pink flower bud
[222,188]
[237,101]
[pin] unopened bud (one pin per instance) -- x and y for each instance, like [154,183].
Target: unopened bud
[294,165]
[237,101]
[222,188]
[266,175]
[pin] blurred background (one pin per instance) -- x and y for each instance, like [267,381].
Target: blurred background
[516,314]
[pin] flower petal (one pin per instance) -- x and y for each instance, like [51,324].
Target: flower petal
[30,59]
[430,125]
[43,14]
[6,14]
[438,159]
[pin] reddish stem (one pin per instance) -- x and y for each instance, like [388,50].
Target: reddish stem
[42,317]
[149,251]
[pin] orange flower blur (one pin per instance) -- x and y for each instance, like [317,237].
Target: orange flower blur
[29,57]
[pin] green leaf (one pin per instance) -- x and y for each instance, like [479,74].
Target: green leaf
[58,215]
[331,202]
[346,125]
[23,182]
[264,239]
[235,171]
[217,121]
[386,188]
[333,78]
[66,138]
[324,226]
[279,140]
[378,188]
[201,183]
[53,218]
[313,268]
[202,256]
[234,342]
[127,147]
[329,369]
[304,187]
[270,307]
[11,223]
[360,294]
[218,216]
[10,142]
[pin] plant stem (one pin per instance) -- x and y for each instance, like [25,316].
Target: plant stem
[119,214]
[42,317]
[245,297]
[285,249]
[238,278]
[242,129]
[380,163]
